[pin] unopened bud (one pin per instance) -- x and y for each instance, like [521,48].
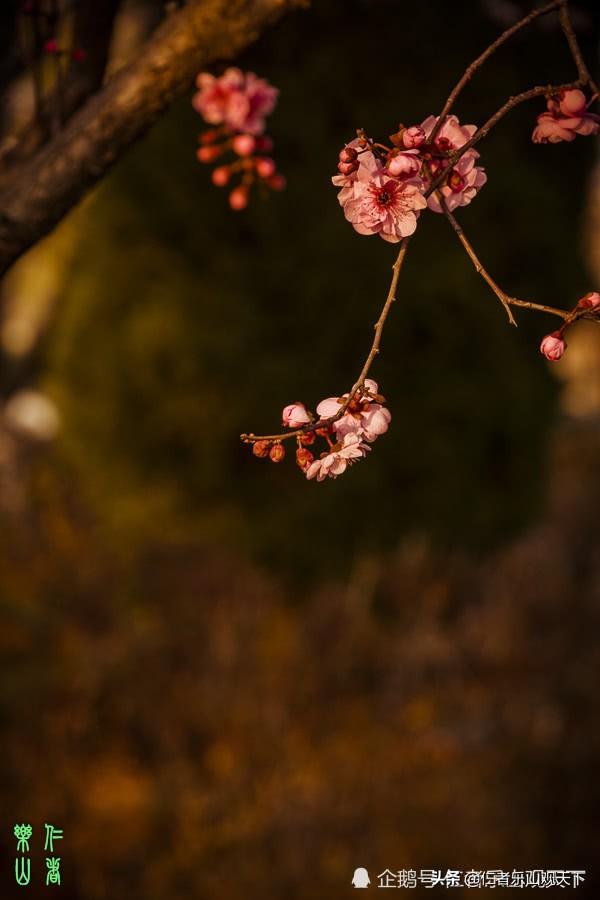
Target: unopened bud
[238,198]
[209,136]
[208,154]
[243,144]
[276,182]
[51,46]
[304,458]
[261,448]
[277,452]
[348,168]
[590,301]
[553,346]
[295,415]
[264,144]
[221,176]
[265,167]
[308,438]
[77,54]
[348,155]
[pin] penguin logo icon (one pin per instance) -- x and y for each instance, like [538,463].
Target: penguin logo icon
[361,878]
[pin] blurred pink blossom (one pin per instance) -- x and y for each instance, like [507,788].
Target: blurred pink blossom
[236,99]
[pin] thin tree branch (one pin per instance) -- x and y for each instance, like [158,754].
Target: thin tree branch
[476,64]
[506,301]
[358,384]
[58,176]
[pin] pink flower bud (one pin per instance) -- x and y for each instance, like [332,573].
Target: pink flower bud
[265,167]
[51,46]
[304,458]
[208,154]
[221,176]
[295,415]
[277,452]
[243,144]
[404,165]
[347,168]
[77,54]
[572,103]
[590,301]
[238,198]
[276,182]
[261,448]
[348,155]
[553,346]
[413,137]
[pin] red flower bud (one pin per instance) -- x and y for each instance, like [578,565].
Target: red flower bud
[277,452]
[348,155]
[243,144]
[276,182]
[265,167]
[304,458]
[208,154]
[51,46]
[221,176]
[261,448]
[209,136]
[238,198]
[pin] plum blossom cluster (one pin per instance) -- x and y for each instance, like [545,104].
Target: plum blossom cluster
[567,116]
[554,345]
[349,425]
[237,103]
[383,187]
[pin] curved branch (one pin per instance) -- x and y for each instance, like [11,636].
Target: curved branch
[57,177]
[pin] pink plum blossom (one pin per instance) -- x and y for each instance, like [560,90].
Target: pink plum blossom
[343,454]
[567,116]
[365,418]
[295,415]
[466,179]
[553,346]
[238,100]
[375,202]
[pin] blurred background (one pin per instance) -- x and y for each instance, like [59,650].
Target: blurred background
[218,679]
